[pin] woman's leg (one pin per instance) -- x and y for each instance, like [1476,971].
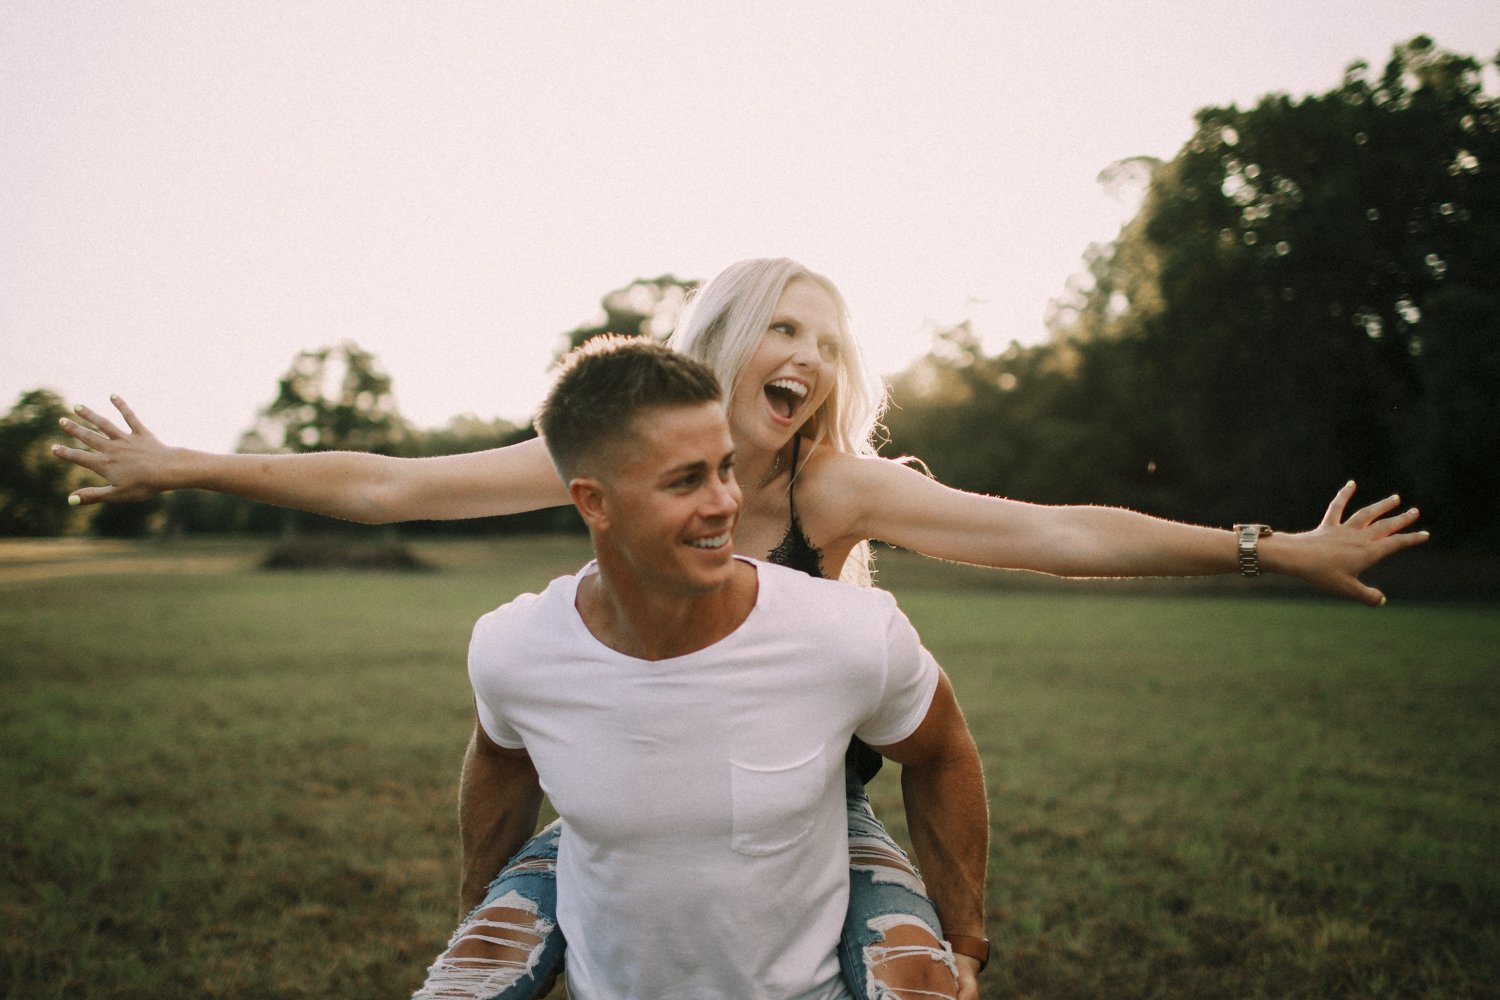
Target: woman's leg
[509,948]
[893,946]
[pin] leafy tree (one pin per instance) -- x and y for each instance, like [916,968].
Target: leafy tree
[647,307]
[1309,292]
[34,485]
[331,399]
[334,398]
[1282,273]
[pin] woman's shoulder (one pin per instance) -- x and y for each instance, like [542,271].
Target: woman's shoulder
[838,497]
[826,468]
[841,481]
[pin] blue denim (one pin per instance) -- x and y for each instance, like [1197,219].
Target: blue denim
[883,883]
[527,883]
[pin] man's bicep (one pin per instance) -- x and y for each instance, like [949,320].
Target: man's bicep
[940,730]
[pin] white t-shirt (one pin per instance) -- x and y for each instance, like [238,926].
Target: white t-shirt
[704,850]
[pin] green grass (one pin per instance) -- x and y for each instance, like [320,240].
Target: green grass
[220,782]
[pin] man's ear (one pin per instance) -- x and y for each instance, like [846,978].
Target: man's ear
[588,497]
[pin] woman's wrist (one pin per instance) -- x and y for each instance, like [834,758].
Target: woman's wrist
[180,469]
[1279,553]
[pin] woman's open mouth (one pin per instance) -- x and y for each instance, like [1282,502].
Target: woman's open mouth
[785,396]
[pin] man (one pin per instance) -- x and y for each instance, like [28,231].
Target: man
[687,711]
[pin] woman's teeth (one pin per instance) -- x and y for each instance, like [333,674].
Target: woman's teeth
[710,543]
[785,394]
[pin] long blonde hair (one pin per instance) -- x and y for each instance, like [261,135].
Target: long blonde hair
[723,324]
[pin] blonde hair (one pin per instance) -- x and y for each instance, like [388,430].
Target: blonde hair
[723,324]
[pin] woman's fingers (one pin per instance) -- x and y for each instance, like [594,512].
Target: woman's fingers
[1334,516]
[1399,538]
[105,425]
[122,458]
[131,420]
[1400,522]
[90,460]
[90,494]
[1366,516]
[86,435]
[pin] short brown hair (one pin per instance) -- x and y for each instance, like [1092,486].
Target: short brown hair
[604,383]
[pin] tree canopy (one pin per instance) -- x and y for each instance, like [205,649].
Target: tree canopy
[647,307]
[1310,292]
[331,398]
[34,484]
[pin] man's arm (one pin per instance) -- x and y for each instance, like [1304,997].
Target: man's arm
[499,797]
[942,783]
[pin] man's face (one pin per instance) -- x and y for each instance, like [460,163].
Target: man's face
[672,500]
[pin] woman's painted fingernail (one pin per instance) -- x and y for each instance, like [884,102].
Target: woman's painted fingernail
[74,501]
[1382,600]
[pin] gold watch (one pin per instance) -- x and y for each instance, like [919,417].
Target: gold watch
[1249,541]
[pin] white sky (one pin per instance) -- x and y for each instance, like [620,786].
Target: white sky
[191,193]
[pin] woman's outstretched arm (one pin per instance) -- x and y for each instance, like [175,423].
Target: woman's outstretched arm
[356,486]
[894,503]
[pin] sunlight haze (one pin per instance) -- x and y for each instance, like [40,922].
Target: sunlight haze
[190,194]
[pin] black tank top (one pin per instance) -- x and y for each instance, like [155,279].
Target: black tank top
[796,551]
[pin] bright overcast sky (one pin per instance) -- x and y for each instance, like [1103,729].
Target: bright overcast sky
[191,193]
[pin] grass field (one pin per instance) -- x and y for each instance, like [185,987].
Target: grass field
[223,782]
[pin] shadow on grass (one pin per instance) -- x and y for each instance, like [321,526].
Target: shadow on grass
[334,553]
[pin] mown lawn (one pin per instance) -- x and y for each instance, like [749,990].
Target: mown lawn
[223,782]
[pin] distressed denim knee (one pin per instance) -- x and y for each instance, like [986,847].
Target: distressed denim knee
[509,947]
[892,947]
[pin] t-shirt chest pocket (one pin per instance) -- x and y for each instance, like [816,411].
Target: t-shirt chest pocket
[775,806]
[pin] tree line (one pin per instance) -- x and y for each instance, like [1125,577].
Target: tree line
[1309,292]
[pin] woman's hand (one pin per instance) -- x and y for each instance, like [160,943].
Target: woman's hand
[1332,556]
[133,465]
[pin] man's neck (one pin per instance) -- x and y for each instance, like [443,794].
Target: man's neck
[657,624]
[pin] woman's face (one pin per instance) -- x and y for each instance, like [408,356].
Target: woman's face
[792,370]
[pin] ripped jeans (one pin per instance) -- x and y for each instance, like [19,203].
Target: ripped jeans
[892,948]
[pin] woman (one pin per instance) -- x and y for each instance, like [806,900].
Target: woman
[802,411]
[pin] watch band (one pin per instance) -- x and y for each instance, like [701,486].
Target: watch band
[977,948]
[1249,546]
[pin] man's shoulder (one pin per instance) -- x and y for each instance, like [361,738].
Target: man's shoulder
[521,613]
